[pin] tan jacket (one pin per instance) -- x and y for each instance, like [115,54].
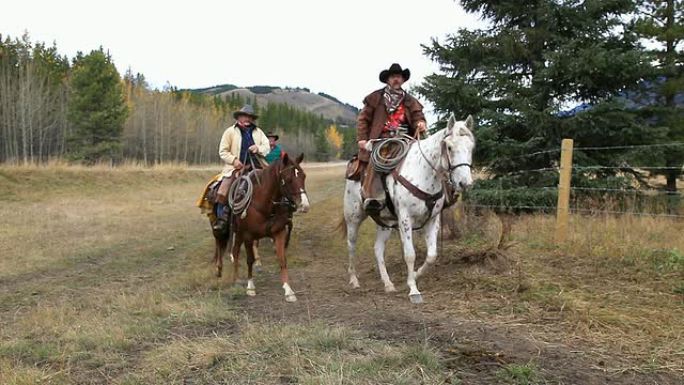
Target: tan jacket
[231,141]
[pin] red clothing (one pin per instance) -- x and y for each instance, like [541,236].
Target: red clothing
[396,119]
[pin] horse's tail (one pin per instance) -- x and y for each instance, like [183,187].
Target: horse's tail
[342,227]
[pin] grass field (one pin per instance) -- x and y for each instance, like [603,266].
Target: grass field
[106,277]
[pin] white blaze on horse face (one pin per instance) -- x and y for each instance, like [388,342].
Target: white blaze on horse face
[461,146]
[304,203]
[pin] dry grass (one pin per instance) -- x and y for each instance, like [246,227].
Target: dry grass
[105,278]
[617,285]
[305,354]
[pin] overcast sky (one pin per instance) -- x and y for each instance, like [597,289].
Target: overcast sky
[337,47]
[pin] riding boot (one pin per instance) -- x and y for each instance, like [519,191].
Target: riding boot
[222,218]
[222,209]
[373,192]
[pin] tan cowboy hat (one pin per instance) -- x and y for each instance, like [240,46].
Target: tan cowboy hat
[393,70]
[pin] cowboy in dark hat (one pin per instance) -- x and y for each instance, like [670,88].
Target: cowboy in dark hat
[276,151]
[242,143]
[385,112]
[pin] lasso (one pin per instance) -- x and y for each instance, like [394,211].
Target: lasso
[239,200]
[384,164]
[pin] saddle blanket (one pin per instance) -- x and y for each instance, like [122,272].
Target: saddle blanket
[205,202]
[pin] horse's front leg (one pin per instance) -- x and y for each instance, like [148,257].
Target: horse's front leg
[431,232]
[382,234]
[353,217]
[406,233]
[352,235]
[257,257]
[280,240]
[249,249]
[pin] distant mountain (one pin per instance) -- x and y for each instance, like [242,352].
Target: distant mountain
[301,98]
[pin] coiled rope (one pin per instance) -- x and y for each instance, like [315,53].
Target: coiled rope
[239,197]
[395,150]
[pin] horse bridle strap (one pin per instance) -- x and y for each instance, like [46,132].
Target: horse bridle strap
[452,168]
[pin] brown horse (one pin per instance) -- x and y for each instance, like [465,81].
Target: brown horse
[277,190]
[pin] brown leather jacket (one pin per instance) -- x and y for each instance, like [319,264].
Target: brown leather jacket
[373,117]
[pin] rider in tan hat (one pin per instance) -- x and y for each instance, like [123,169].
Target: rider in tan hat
[241,144]
[385,112]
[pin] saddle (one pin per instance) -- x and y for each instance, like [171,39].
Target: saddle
[393,160]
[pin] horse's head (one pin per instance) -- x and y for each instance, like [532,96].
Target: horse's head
[459,143]
[292,179]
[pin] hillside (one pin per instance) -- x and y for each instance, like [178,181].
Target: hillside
[301,98]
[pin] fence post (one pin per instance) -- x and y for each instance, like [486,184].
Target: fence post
[563,206]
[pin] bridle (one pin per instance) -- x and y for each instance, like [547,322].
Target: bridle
[444,154]
[285,191]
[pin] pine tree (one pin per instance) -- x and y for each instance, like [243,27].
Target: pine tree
[323,150]
[97,108]
[663,22]
[517,77]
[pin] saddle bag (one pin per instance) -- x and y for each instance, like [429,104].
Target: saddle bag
[355,168]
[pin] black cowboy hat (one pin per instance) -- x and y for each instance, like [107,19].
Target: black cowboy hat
[245,110]
[395,69]
[272,135]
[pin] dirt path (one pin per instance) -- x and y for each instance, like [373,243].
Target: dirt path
[475,349]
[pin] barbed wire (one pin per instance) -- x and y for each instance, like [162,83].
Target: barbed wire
[597,148]
[624,167]
[592,148]
[532,154]
[517,188]
[590,211]
[626,191]
[636,213]
[540,170]
[616,190]
[551,208]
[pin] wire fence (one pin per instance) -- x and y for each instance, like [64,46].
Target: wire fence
[577,169]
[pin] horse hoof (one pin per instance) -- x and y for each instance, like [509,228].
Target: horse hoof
[291,298]
[251,293]
[390,289]
[416,298]
[354,282]
[218,274]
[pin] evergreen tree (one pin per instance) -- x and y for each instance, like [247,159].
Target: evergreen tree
[535,60]
[350,146]
[663,22]
[323,150]
[97,109]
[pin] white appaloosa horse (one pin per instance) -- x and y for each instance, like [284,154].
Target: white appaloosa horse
[446,156]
